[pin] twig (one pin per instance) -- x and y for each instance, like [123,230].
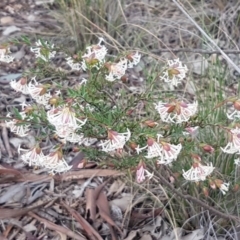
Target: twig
[176,2]
[6,141]
[194,51]
[193,199]
[55,227]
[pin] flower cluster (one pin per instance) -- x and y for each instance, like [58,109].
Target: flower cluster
[233,145]
[19,125]
[176,111]
[165,152]
[53,162]
[36,90]
[66,123]
[43,50]
[65,114]
[175,73]
[116,141]
[142,173]
[198,172]
[4,57]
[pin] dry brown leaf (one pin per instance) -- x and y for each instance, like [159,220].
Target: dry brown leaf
[72,175]
[91,198]
[6,213]
[87,173]
[91,232]
[3,238]
[57,228]
[9,172]
[104,211]
[62,236]
[90,204]
[146,237]
[78,159]
[123,203]
[116,187]
[132,235]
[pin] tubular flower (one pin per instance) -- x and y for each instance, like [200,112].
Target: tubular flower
[95,55]
[176,112]
[116,70]
[142,172]
[4,57]
[235,114]
[19,126]
[175,73]
[33,157]
[133,59]
[74,65]
[55,162]
[166,152]
[69,134]
[198,172]
[116,141]
[38,92]
[20,85]
[223,187]
[192,131]
[233,145]
[43,50]
[64,116]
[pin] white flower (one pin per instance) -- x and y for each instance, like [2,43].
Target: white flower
[55,162]
[64,116]
[175,73]
[192,131]
[233,145]
[74,65]
[166,152]
[38,92]
[198,172]
[142,173]
[18,126]
[224,187]
[43,50]
[31,157]
[69,134]
[20,85]
[234,115]
[4,57]
[116,70]
[237,161]
[133,59]
[176,112]
[95,55]
[115,141]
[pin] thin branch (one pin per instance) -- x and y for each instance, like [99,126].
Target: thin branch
[195,200]
[194,51]
[177,3]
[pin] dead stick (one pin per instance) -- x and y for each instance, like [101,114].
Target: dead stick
[193,51]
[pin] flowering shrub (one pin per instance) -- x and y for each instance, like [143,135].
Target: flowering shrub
[93,109]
